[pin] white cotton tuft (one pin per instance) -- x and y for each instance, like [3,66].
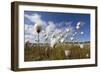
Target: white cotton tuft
[71,38]
[87,55]
[82,33]
[79,23]
[37,28]
[67,30]
[67,52]
[81,46]
[62,40]
[53,42]
[77,27]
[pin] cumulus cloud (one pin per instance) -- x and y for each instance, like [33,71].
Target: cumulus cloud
[51,33]
[28,28]
[35,18]
[29,33]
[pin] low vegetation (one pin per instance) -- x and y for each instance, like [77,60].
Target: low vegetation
[40,52]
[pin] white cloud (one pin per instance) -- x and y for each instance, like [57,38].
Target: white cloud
[34,17]
[29,28]
[29,33]
[50,32]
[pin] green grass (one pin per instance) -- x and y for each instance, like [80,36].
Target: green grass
[45,52]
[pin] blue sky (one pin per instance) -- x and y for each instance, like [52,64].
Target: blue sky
[62,20]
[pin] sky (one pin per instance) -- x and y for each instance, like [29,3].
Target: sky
[54,23]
